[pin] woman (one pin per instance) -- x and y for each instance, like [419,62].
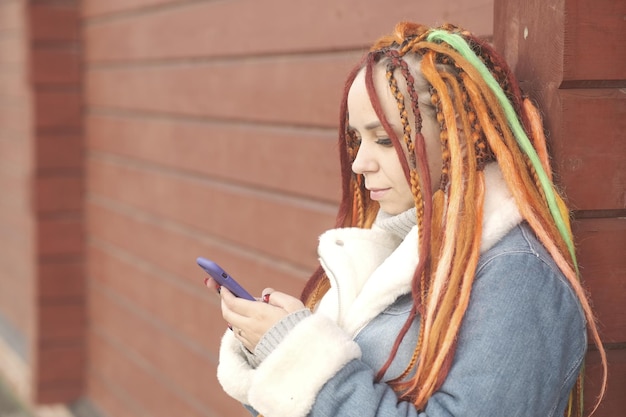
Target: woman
[449,286]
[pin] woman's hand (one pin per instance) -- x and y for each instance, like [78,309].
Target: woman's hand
[250,320]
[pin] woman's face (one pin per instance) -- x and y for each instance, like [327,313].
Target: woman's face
[377,159]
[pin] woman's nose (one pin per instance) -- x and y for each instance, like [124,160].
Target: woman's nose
[363,162]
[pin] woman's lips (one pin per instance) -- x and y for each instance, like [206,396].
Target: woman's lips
[377,194]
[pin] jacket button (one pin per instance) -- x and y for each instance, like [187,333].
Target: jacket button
[339,242]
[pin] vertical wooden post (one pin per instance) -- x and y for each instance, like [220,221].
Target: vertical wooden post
[58,344]
[570,58]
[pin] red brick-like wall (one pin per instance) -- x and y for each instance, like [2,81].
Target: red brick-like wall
[58,198]
[210,131]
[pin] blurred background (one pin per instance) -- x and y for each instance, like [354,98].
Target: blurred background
[137,135]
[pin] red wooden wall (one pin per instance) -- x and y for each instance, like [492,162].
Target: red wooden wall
[58,189]
[163,130]
[210,131]
[571,58]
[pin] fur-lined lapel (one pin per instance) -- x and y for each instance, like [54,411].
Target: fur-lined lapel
[349,257]
[369,268]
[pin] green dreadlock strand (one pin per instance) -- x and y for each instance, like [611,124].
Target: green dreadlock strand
[460,45]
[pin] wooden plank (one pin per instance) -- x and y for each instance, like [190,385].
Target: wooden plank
[98,8]
[60,236]
[268,91]
[588,146]
[225,212]
[58,193]
[614,402]
[59,152]
[108,397]
[155,396]
[595,35]
[254,155]
[54,23]
[138,241]
[61,364]
[150,290]
[601,244]
[61,323]
[58,110]
[59,66]
[218,28]
[61,280]
[181,362]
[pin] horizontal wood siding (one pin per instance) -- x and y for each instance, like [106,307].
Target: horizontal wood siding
[211,131]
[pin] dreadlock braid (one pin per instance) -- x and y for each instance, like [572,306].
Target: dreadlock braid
[406,129]
[442,309]
[539,139]
[545,220]
[547,234]
[404,117]
[421,194]
[483,118]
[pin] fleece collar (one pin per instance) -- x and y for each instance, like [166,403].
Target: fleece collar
[370,268]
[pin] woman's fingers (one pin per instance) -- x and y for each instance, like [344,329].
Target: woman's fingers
[211,284]
[282,300]
[240,306]
[250,319]
[267,292]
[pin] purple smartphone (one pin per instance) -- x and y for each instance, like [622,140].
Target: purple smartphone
[223,278]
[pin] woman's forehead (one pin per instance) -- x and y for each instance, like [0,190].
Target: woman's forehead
[360,105]
[381,82]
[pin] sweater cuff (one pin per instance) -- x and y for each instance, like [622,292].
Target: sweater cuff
[272,338]
[287,382]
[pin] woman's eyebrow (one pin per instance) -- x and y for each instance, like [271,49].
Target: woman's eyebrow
[373,125]
[370,126]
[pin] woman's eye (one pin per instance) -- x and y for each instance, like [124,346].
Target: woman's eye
[384,142]
[353,139]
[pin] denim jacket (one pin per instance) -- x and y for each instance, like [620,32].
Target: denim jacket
[520,348]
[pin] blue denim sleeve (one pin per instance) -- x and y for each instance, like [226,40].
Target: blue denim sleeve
[251,410]
[519,351]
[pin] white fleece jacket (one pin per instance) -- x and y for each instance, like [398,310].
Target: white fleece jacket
[369,269]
